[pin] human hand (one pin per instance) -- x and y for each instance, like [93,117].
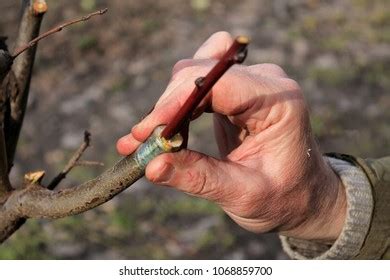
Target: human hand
[272,176]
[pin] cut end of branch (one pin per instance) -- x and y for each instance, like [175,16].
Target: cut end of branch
[87,137]
[103,11]
[34,177]
[39,7]
[243,40]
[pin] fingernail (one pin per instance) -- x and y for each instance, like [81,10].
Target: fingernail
[165,174]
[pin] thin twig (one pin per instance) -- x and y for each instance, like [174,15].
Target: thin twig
[54,30]
[72,162]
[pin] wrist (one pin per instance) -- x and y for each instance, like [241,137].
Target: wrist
[326,206]
[358,219]
[332,211]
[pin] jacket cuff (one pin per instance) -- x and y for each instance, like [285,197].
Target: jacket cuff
[360,206]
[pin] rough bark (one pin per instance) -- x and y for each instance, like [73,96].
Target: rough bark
[35,201]
[5,185]
[19,81]
[5,66]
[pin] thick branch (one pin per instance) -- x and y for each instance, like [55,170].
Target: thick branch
[5,185]
[15,84]
[5,65]
[35,201]
[24,59]
[72,162]
[30,23]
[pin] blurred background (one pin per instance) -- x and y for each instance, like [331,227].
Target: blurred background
[105,74]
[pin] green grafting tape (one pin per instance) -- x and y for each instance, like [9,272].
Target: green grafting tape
[154,146]
[149,150]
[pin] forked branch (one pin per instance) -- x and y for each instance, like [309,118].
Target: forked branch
[35,201]
[23,57]
[15,76]
[72,162]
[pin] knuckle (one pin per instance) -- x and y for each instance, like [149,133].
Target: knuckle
[193,70]
[268,69]
[291,85]
[181,64]
[274,68]
[184,73]
[197,182]
[198,177]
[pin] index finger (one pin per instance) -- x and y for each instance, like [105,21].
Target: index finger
[229,96]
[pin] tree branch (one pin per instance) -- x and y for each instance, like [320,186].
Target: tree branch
[58,28]
[23,57]
[35,201]
[5,66]
[5,185]
[235,54]
[72,162]
[32,14]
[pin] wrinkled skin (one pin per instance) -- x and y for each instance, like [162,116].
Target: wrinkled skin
[271,175]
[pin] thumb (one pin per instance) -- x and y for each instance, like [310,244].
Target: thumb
[191,172]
